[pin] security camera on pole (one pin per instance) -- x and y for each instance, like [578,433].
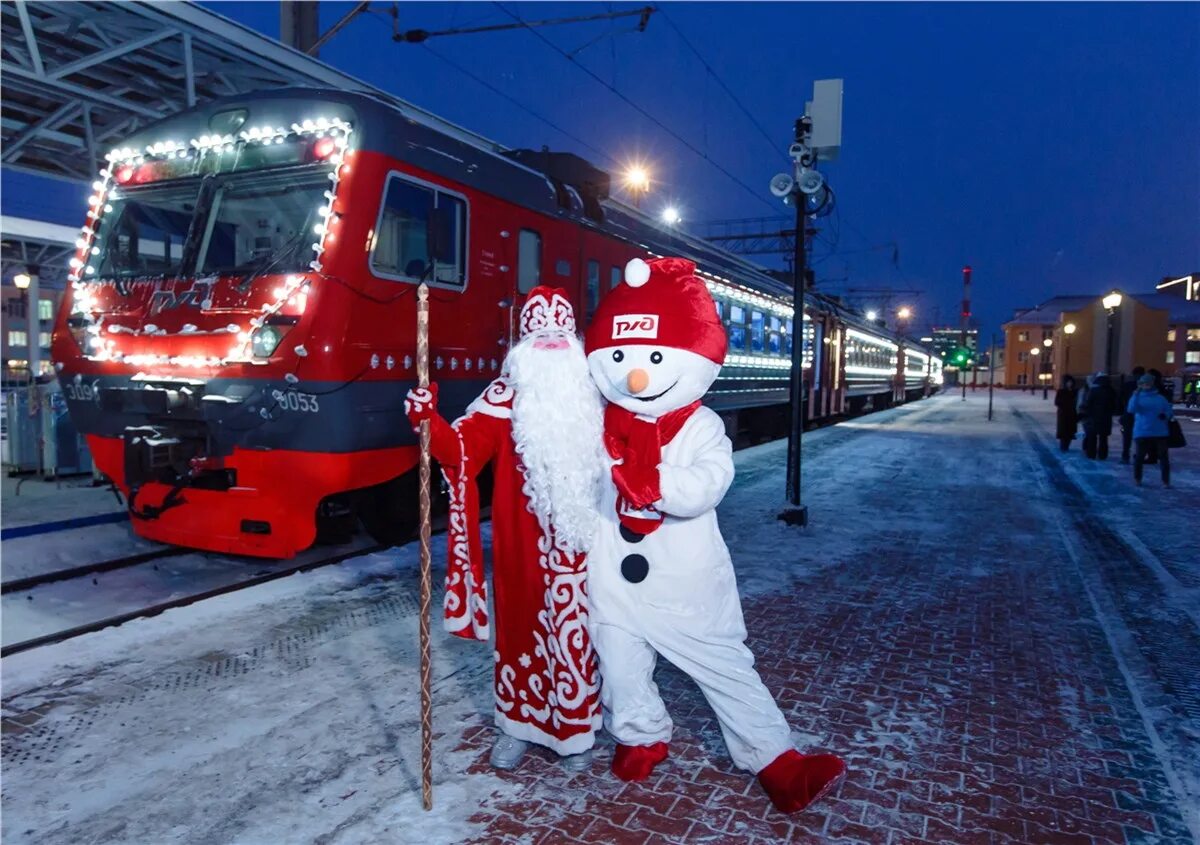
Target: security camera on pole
[817,135]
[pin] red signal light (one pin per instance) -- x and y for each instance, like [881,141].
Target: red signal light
[124,173]
[324,148]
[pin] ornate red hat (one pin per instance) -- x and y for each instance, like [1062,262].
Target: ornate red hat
[661,303]
[547,309]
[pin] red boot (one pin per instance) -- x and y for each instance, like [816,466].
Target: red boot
[636,762]
[794,780]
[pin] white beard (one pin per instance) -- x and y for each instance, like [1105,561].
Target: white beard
[558,427]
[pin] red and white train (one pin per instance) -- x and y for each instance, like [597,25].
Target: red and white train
[240,330]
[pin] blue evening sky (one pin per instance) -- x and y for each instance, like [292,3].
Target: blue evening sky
[1054,147]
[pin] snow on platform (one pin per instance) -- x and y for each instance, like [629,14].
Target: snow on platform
[29,500]
[995,636]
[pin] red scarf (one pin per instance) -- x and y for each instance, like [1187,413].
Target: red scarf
[638,443]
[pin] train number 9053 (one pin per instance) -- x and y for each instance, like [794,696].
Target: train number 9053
[291,401]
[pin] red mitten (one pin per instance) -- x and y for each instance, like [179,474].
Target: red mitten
[638,485]
[421,404]
[637,762]
[794,780]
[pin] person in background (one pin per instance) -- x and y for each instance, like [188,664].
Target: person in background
[1151,414]
[1190,393]
[1160,384]
[1099,407]
[1068,419]
[1128,388]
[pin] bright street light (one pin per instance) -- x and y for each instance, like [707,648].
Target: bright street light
[1069,328]
[1035,352]
[1113,300]
[22,280]
[1047,343]
[637,178]
[670,215]
[904,313]
[872,316]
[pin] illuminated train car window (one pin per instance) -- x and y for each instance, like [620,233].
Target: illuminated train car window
[774,341]
[400,250]
[737,328]
[757,332]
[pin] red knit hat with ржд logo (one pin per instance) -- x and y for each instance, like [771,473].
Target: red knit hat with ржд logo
[661,303]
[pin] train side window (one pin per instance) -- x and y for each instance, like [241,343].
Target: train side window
[720,308]
[757,331]
[774,341]
[614,277]
[593,286]
[562,267]
[529,260]
[737,328]
[400,248]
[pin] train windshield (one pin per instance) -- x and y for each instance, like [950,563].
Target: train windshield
[263,223]
[143,231]
[230,224]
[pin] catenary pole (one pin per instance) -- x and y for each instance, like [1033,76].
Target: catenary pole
[426,589]
[797,512]
[991,372]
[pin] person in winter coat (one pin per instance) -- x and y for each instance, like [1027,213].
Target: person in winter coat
[1151,415]
[1068,420]
[1099,407]
[1128,388]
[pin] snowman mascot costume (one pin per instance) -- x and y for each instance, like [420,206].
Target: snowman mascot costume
[660,577]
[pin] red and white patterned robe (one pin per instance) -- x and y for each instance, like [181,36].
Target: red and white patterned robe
[547,683]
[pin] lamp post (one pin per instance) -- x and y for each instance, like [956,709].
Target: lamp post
[1033,353]
[1111,303]
[1068,330]
[27,283]
[1046,365]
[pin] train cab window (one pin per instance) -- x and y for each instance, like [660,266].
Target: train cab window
[529,260]
[614,277]
[593,286]
[400,248]
[757,332]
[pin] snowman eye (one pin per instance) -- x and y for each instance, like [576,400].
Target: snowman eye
[656,357]
[618,355]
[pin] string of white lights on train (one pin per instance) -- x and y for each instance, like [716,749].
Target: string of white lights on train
[295,288]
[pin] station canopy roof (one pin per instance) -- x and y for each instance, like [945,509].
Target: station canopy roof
[80,76]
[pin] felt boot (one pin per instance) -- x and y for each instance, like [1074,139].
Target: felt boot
[636,762]
[794,780]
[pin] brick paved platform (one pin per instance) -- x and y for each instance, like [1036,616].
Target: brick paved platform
[955,659]
[1001,640]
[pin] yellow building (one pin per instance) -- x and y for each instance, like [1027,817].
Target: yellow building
[1113,332]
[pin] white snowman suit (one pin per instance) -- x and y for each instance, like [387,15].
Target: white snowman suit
[682,602]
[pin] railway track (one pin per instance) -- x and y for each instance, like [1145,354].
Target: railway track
[181,601]
[17,585]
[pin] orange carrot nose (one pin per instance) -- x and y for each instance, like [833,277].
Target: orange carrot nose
[638,380]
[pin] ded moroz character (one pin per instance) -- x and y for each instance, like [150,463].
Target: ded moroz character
[660,577]
[539,427]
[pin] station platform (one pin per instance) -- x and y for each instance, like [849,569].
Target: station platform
[1001,640]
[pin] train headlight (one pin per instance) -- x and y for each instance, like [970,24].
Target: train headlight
[266,339]
[77,326]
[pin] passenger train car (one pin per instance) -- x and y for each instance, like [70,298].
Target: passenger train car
[240,330]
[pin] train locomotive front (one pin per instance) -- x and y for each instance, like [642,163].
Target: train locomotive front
[238,373]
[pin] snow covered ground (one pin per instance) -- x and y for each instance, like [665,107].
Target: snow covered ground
[288,713]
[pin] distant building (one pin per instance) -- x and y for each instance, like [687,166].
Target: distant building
[1079,335]
[18,331]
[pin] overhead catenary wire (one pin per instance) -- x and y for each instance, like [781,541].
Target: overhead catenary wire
[737,101]
[636,107]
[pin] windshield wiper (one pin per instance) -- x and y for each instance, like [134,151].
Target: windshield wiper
[286,252]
